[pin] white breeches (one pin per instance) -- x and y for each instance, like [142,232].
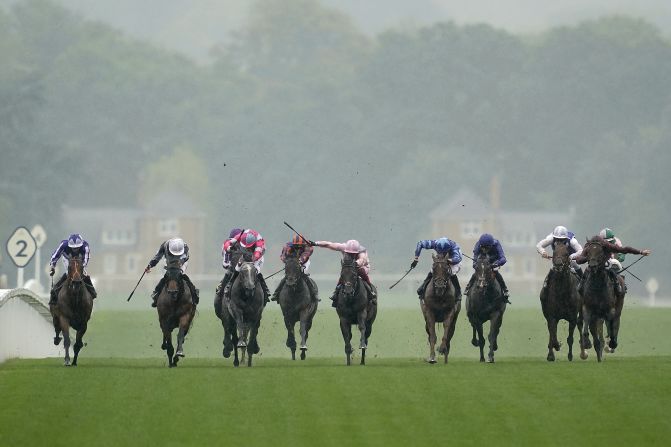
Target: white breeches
[613,264]
[258,264]
[306,266]
[455,268]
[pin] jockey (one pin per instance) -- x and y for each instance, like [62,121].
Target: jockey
[73,246]
[616,259]
[250,242]
[442,246]
[229,247]
[560,235]
[491,248]
[176,254]
[610,249]
[300,248]
[352,247]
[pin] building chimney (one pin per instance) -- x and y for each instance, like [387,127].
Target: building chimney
[495,193]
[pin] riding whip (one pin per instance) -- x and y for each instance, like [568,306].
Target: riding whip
[624,269]
[138,283]
[302,237]
[406,274]
[270,276]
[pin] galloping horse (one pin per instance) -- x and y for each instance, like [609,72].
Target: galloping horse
[245,306]
[561,301]
[354,307]
[72,309]
[440,305]
[485,302]
[297,304]
[600,302]
[175,310]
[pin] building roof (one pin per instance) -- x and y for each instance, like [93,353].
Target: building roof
[464,204]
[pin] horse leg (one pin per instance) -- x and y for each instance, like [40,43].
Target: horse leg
[168,347]
[241,327]
[304,337]
[346,330]
[494,327]
[598,341]
[583,342]
[481,341]
[181,335]
[552,338]
[569,340]
[252,347]
[65,328]
[430,322]
[449,325]
[79,343]
[291,338]
[57,329]
[474,340]
[614,329]
[361,323]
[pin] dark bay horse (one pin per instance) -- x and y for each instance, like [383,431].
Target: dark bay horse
[485,302]
[440,306]
[297,304]
[175,310]
[561,301]
[72,309]
[245,307]
[600,302]
[354,307]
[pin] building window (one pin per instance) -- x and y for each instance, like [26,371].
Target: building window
[470,229]
[132,263]
[168,227]
[118,237]
[509,267]
[109,264]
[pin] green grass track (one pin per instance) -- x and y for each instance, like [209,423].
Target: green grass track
[123,394]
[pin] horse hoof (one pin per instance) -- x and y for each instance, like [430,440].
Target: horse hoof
[490,360]
[67,363]
[302,355]
[583,355]
[57,340]
[164,346]
[551,358]
[226,352]
[179,353]
[242,344]
[363,348]
[474,342]
[431,360]
[304,348]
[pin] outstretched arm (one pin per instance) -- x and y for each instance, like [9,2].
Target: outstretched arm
[157,257]
[331,245]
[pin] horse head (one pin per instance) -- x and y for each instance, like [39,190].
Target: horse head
[292,270]
[441,272]
[75,273]
[349,275]
[560,258]
[248,278]
[484,272]
[596,254]
[172,286]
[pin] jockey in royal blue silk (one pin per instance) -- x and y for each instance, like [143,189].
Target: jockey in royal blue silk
[491,248]
[73,246]
[442,246]
[176,254]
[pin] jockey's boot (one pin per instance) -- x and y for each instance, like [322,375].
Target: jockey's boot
[619,290]
[264,286]
[276,293]
[53,296]
[334,297]
[422,288]
[229,284]
[157,291]
[504,287]
[372,292]
[89,285]
[222,285]
[470,284]
[312,287]
[195,298]
[457,287]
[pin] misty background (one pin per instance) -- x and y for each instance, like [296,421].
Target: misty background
[348,119]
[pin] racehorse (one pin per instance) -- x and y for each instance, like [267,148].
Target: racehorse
[440,305]
[354,307]
[245,307]
[561,301]
[600,302]
[297,304]
[175,310]
[485,302]
[72,309]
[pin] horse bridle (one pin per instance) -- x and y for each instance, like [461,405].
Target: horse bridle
[355,268]
[441,283]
